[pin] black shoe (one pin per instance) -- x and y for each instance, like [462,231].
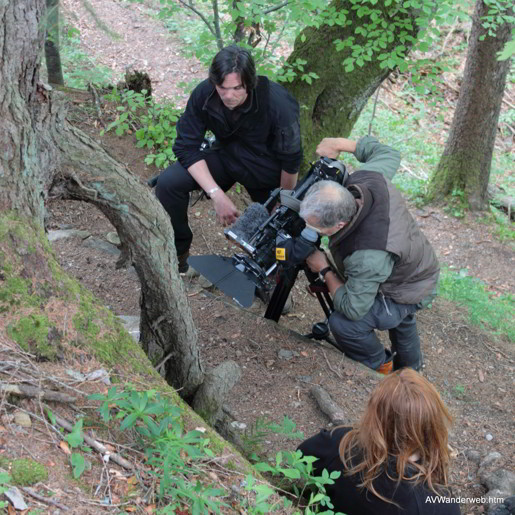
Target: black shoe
[183,262]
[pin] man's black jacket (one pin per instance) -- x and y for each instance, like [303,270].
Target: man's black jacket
[264,140]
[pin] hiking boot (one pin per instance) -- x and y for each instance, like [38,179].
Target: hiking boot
[387,367]
[183,262]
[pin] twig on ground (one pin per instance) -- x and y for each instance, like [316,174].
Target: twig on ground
[337,372]
[44,500]
[205,239]
[32,392]
[96,445]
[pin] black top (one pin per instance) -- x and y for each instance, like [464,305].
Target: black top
[260,138]
[350,499]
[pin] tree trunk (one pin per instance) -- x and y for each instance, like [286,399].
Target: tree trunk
[36,142]
[331,105]
[52,54]
[467,157]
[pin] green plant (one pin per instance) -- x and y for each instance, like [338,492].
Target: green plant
[176,458]
[4,486]
[262,429]
[152,123]
[174,455]
[79,69]
[504,228]
[297,470]
[459,391]
[494,313]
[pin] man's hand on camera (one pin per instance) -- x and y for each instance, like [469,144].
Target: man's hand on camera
[226,211]
[331,147]
[317,261]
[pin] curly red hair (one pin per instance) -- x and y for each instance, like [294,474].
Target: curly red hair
[405,417]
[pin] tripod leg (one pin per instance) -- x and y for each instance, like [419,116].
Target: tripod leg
[287,278]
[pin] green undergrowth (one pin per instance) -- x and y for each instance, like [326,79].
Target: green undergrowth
[23,471]
[493,313]
[179,460]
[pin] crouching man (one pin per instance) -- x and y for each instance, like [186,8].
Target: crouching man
[380,268]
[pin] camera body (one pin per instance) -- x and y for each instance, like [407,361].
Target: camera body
[281,238]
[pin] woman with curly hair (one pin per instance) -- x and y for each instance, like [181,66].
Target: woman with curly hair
[396,460]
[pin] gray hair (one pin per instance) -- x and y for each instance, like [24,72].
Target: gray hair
[329,203]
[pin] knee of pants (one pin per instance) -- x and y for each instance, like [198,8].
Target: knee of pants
[345,328]
[174,183]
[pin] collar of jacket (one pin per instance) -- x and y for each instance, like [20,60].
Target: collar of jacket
[364,201]
[213,104]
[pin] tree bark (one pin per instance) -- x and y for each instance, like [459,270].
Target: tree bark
[36,142]
[331,105]
[52,54]
[467,157]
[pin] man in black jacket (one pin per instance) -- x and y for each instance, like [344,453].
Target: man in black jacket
[256,125]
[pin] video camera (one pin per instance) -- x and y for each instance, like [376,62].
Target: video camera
[276,243]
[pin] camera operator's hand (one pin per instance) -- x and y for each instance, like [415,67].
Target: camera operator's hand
[317,261]
[331,147]
[226,211]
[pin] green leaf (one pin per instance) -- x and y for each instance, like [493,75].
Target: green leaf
[76,438]
[78,464]
[129,421]
[50,416]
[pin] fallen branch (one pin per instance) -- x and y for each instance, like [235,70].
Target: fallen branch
[97,445]
[33,392]
[327,405]
[44,500]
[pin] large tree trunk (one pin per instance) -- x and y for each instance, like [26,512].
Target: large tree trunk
[36,142]
[331,105]
[52,54]
[467,157]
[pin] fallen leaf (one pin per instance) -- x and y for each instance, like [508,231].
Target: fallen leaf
[304,353]
[481,375]
[65,447]
[133,480]
[11,510]
[150,508]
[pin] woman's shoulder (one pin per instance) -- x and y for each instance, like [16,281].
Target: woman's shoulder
[325,443]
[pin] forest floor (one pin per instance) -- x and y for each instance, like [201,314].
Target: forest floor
[473,369]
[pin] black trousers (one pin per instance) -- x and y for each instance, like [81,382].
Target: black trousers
[175,184]
[357,338]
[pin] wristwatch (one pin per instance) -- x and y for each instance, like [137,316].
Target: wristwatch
[324,271]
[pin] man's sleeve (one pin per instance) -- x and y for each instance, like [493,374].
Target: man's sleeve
[191,129]
[377,156]
[365,271]
[286,143]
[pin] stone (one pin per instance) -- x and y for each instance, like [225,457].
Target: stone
[101,374]
[473,455]
[489,437]
[16,498]
[112,237]
[67,233]
[489,459]
[22,419]
[131,324]
[102,245]
[287,354]
[202,281]
[500,479]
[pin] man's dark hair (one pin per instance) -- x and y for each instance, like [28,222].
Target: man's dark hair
[233,59]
